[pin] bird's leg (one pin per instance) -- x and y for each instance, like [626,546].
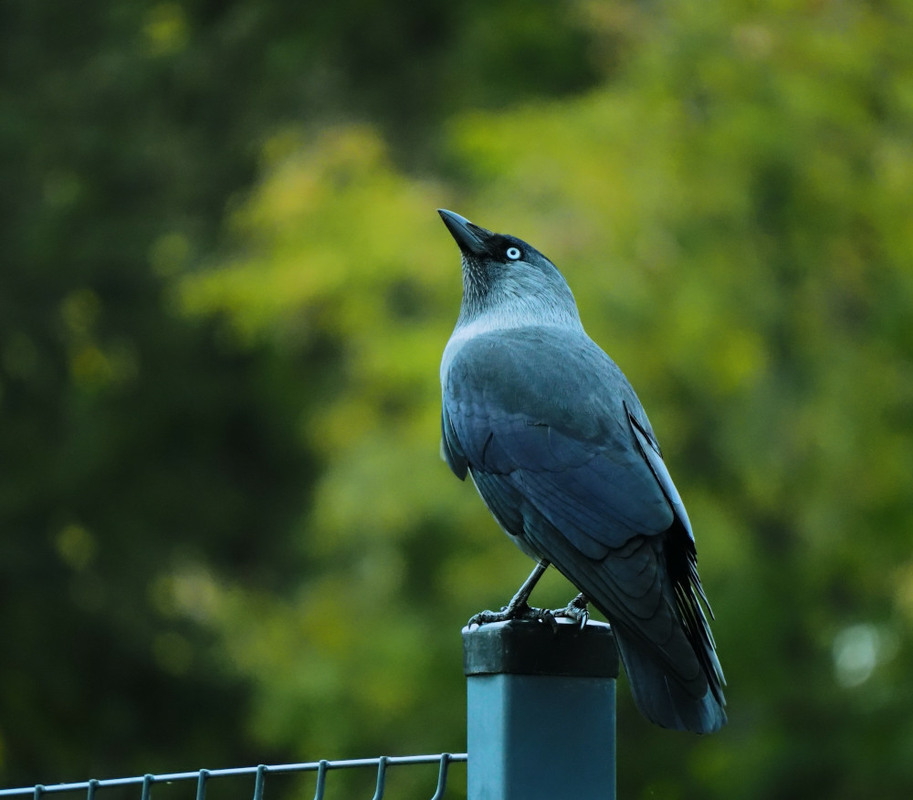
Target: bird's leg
[575,610]
[518,607]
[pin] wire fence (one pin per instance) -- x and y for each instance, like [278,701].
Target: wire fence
[540,726]
[202,777]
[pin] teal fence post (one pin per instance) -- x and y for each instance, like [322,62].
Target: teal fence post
[541,710]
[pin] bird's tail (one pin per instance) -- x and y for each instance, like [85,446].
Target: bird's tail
[664,697]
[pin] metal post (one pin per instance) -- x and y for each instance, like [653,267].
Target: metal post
[541,711]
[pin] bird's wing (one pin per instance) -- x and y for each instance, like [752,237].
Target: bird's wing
[649,449]
[539,418]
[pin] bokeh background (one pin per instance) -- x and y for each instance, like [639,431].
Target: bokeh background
[227,537]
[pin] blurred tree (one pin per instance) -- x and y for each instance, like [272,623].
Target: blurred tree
[131,439]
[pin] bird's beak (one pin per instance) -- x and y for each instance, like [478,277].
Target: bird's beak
[472,239]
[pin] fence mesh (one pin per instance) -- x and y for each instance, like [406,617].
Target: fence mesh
[203,777]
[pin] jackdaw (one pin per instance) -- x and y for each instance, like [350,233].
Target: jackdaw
[561,451]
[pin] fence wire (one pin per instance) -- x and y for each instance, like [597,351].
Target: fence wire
[259,773]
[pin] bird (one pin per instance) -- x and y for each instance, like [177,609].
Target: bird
[561,451]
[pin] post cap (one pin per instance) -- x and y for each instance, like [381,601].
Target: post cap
[530,647]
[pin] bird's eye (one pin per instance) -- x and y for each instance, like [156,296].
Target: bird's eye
[513,253]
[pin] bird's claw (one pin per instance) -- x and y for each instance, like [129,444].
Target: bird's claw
[521,612]
[576,610]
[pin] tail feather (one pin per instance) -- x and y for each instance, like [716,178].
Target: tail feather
[662,697]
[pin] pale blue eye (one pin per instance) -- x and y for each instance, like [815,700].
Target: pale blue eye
[513,253]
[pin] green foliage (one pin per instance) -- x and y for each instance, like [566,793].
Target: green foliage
[220,428]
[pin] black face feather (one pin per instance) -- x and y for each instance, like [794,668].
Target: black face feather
[506,249]
[478,243]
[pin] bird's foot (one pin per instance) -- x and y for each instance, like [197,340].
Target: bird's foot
[576,610]
[521,611]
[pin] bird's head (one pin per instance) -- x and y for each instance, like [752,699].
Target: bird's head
[503,276]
